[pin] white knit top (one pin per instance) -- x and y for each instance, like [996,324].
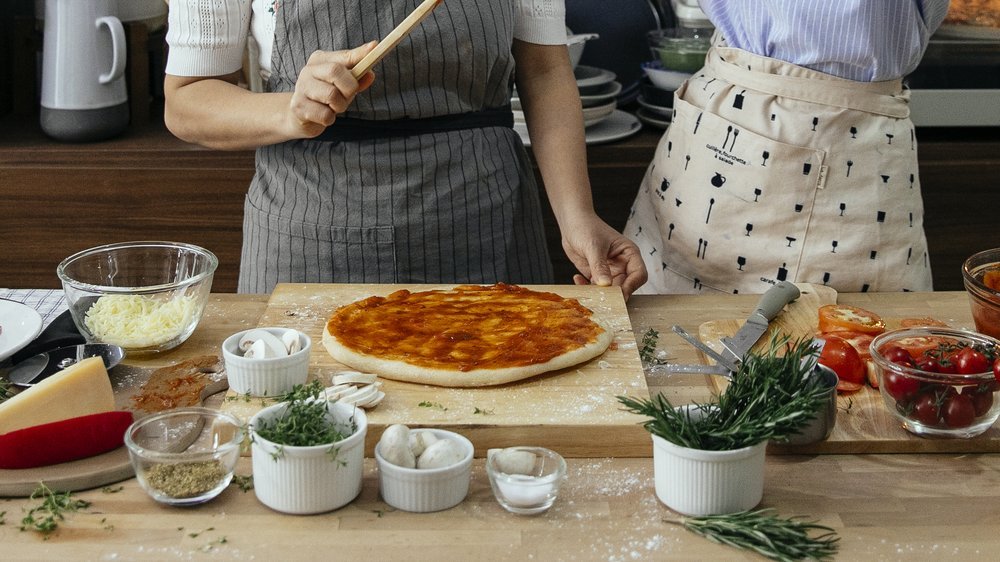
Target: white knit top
[209,37]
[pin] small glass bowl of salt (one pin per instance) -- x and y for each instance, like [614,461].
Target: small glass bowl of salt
[525,480]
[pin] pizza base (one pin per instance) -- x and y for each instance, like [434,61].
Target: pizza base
[398,370]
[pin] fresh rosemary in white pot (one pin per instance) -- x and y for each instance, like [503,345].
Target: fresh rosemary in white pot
[307,452]
[708,459]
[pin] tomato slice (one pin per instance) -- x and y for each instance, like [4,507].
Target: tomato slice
[922,322]
[846,318]
[861,342]
[918,345]
[844,360]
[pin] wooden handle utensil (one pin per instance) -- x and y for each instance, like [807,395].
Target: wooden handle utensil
[394,37]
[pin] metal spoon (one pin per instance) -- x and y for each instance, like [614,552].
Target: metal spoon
[34,369]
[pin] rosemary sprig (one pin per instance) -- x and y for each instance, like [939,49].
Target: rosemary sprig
[45,518]
[771,396]
[766,534]
[304,423]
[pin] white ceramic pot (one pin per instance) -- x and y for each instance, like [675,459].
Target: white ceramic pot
[424,490]
[305,480]
[697,482]
[269,376]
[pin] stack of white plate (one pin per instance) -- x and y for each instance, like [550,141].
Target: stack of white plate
[599,97]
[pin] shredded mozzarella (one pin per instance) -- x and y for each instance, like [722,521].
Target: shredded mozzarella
[139,321]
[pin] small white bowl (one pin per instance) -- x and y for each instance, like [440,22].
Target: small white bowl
[307,480]
[423,490]
[268,376]
[662,78]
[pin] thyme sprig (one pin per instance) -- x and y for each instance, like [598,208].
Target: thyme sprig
[771,396]
[647,350]
[763,532]
[305,421]
[45,517]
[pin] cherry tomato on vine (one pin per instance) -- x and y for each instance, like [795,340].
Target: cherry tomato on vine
[958,410]
[996,369]
[897,355]
[969,361]
[929,364]
[844,360]
[926,408]
[900,386]
[982,400]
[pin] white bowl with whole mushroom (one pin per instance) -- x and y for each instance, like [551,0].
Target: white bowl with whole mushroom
[423,470]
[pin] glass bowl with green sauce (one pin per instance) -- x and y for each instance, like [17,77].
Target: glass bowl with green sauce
[185,456]
[146,297]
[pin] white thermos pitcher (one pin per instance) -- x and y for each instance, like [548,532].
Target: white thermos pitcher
[83,71]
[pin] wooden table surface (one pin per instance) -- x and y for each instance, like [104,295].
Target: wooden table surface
[887,507]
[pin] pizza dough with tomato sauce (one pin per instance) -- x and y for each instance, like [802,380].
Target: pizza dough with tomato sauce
[467,336]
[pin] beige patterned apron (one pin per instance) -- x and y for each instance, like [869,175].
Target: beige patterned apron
[771,171]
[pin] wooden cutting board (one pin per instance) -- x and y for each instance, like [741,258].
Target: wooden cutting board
[864,424]
[573,411]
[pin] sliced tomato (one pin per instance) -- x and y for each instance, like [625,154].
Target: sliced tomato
[860,341]
[846,318]
[922,322]
[844,360]
[918,345]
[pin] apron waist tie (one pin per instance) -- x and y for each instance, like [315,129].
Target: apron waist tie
[354,129]
[887,98]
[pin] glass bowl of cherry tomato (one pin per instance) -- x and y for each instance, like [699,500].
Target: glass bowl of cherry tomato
[939,381]
[981,275]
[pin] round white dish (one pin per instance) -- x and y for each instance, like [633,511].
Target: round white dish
[664,79]
[601,94]
[652,119]
[664,112]
[591,77]
[594,115]
[423,490]
[19,324]
[619,125]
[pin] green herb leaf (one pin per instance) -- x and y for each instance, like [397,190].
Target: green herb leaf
[45,518]
[647,352]
[478,410]
[435,405]
[771,396]
[766,534]
[244,483]
[305,421]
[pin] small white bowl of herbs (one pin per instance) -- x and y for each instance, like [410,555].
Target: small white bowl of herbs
[307,452]
[708,459]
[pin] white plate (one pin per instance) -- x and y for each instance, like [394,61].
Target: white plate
[590,76]
[652,119]
[19,324]
[593,115]
[955,31]
[618,125]
[601,95]
[663,112]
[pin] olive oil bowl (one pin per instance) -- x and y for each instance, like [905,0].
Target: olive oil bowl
[185,456]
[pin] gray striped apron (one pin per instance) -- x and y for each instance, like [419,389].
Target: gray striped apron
[458,206]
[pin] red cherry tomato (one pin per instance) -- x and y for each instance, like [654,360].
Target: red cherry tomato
[861,342]
[900,386]
[958,410]
[897,355]
[996,369]
[926,408]
[929,364]
[982,400]
[847,318]
[844,360]
[969,361]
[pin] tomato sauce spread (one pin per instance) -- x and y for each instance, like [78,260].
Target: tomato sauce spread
[468,327]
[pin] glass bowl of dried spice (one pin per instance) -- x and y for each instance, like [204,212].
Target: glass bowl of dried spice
[185,456]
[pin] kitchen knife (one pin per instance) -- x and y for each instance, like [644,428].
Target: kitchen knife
[769,306]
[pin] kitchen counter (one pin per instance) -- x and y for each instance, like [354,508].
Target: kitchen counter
[903,506]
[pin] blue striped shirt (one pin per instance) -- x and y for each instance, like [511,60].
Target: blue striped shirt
[862,40]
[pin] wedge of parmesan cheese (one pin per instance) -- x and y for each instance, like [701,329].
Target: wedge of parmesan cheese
[78,390]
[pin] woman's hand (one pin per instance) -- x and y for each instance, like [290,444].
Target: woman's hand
[324,89]
[603,256]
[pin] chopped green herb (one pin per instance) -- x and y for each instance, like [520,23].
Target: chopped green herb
[186,479]
[478,410]
[45,518]
[305,422]
[647,352]
[434,405]
[196,534]
[244,483]
[766,534]
[112,490]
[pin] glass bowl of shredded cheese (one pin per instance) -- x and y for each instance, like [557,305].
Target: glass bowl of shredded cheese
[146,297]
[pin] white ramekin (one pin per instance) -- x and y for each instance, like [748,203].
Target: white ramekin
[269,376]
[426,489]
[304,480]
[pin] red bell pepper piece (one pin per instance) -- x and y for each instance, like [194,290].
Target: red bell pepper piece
[63,441]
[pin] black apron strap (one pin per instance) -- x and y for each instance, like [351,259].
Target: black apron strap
[352,129]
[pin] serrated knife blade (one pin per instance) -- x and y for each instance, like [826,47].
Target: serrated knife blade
[770,305]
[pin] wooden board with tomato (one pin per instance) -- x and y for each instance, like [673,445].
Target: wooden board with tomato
[865,424]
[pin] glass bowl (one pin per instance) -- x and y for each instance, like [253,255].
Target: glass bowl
[146,297]
[680,49]
[934,387]
[184,456]
[530,489]
[981,275]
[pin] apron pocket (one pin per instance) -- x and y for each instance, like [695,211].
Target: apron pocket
[732,207]
[316,253]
